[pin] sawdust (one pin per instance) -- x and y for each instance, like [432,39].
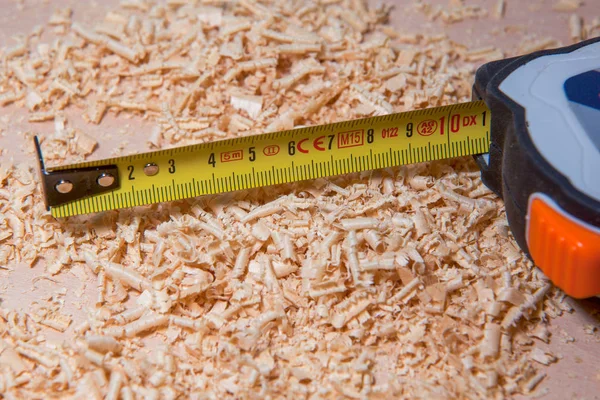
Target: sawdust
[396,283]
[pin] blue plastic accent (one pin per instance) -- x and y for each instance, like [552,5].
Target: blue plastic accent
[583,92]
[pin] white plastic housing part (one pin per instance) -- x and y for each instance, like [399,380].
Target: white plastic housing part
[555,129]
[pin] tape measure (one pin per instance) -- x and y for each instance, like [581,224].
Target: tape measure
[268,159]
[532,128]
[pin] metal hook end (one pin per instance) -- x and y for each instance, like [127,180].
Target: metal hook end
[71,184]
[42,172]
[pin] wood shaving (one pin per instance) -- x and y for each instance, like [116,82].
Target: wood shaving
[576,28]
[251,104]
[86,144]
[499,9]
[401,283]
[536,45]
[567,5]
[455,13]
[541,356]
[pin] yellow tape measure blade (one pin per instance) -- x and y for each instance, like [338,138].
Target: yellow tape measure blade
[290,156]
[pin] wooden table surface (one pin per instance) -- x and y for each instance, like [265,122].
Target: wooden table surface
[575,376]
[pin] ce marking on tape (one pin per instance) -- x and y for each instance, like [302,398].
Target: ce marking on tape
[319,144]
[306,145]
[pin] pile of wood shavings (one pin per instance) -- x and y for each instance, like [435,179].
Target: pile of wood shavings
[396,283]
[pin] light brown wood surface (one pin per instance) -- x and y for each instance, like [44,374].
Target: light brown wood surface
[576,375]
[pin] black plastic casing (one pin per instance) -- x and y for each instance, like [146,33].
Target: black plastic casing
[516,169]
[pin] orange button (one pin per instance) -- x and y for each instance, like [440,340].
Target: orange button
[566,249]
